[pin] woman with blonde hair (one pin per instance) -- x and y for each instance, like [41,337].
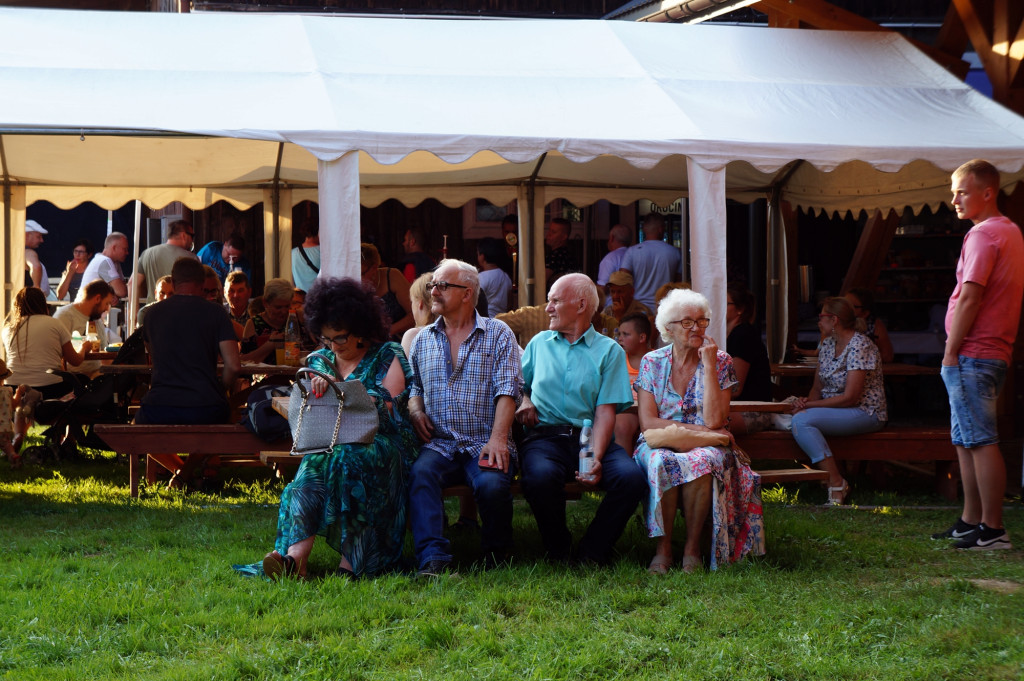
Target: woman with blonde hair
[419,296]
[847,398]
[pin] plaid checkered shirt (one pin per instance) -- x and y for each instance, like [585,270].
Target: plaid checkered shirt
[460,400]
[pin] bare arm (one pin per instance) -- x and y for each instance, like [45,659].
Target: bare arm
[400,285]
[883,341]
[138,280]
[496,447]
[855,379]
[742,369]
[72,357]
[119,287]
[964,314]
[394,380]
[647,412]
[65,282]
[35,268]
[604,426]
[229,354]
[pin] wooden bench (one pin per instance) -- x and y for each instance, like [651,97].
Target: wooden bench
[905,446]
[164,445]
[574,490]
[284,464]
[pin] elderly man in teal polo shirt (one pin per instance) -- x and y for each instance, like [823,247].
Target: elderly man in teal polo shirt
[572,373]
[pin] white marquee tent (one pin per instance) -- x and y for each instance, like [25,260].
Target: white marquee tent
[111,106]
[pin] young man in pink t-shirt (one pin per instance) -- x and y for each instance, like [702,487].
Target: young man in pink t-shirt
[981,325]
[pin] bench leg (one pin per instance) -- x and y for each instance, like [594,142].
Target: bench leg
[947,479]
[134,473]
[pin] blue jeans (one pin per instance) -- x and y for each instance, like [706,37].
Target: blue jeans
[431,473]
[810,427]
[550,462]
[973,386]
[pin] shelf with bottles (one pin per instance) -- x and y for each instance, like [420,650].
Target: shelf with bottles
[919,270]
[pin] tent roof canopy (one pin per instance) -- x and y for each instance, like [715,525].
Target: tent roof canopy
[614,108]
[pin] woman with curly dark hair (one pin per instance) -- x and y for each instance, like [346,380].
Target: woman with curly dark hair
[354,495]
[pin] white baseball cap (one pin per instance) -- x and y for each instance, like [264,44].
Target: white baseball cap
[33,226]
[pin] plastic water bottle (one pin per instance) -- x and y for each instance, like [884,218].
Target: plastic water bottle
[292,340]
[587,449]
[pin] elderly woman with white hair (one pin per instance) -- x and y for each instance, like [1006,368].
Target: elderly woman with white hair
[685,388]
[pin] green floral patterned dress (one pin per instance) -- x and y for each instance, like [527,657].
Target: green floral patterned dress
[355,496]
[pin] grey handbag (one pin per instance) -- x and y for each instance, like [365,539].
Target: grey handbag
[345,414]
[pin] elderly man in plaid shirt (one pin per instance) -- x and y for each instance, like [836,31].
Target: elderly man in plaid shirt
[466,387]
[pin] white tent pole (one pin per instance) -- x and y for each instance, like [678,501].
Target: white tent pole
[338,193]
[133,290]
[777,290]
[707,242]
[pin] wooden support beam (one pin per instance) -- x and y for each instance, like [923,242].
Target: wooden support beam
[872,248]
[824,15]
[952,38]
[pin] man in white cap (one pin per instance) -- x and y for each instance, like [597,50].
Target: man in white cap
[36,270]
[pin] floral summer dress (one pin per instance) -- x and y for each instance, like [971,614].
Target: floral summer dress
[355,495]
[737,520]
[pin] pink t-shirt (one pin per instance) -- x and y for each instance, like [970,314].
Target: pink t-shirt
[992,256]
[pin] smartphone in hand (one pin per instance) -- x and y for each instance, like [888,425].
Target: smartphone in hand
[490,464]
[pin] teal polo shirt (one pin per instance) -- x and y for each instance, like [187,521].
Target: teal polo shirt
[566,382]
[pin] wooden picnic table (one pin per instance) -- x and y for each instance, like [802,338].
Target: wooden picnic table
[246,370]
[801,369]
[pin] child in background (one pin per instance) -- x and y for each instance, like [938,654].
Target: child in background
[634,337]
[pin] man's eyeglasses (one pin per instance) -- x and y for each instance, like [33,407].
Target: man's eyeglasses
[211,291]
[443,286]
[702,323]
[340,339]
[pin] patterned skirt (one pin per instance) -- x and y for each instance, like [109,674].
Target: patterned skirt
[737,519]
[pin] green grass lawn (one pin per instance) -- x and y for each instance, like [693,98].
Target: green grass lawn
[95,585]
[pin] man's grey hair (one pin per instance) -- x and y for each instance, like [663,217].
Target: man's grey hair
[671,309]
[467,275]
[112,239]
[622,234]
[580,286]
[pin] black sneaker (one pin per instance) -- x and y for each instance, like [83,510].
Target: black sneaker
[958,530]
[985,539]
[436,568]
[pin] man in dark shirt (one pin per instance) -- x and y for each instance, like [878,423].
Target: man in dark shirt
[416,261]
[185,335]
[557,258]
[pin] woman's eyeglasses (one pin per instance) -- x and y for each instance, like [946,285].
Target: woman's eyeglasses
[702,323]
[340,339]
[79,251]
[442,286]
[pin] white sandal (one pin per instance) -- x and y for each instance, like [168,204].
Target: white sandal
[837,495]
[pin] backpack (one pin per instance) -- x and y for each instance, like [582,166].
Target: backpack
[259,416]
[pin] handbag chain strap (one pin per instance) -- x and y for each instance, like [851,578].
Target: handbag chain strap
[302,410]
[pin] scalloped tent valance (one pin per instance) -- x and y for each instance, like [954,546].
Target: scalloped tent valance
[458,109]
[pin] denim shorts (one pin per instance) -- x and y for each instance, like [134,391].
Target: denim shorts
[973,386]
